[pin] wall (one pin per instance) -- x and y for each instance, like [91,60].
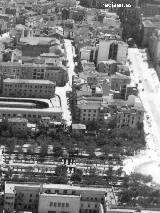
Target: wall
[58,203]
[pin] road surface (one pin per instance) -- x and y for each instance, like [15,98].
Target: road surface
[61,91]
[148,161]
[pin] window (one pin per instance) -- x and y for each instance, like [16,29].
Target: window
[56,191]
[65,191]
[67,204]
[89,110]
[62,204]
[88,205]
[30,195]
[30,200]
[55,204]
[59,204]
[95,205]
[51,203]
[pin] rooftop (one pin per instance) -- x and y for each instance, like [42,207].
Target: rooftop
[10,187]
[53,103]
[38,40]
[78,126]
[27,81]
[17,120]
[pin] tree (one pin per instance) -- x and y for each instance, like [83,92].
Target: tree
[77,175]
[61,175]
[137,192]
[61,170]
[58,152]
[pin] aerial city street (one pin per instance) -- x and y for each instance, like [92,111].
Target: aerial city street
[80,106]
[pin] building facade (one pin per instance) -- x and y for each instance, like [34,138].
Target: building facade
[28,88]
[47,71]
[110,49]
[49,198]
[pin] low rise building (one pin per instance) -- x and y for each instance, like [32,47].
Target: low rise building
[17,124]
[78,129]
[28,88]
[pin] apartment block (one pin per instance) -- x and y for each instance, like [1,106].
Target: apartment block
[47,198]
[36,70]
[28,88]
[107,66]
[31,108]
[130,112]
[112,49]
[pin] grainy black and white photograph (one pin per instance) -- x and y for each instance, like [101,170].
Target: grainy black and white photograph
[80,106]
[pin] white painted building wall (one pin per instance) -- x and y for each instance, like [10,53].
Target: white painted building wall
[103,52]
[58,203]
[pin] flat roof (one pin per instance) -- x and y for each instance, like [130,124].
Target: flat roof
[37,40]
[53,103]
[10,187]
[78,126]
[60,195]
[17,120]
[27,81]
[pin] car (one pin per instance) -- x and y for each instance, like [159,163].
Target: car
[142,89]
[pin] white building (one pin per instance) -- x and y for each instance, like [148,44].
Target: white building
[55,198]
[112,49]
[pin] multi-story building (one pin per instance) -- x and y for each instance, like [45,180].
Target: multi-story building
[87,99]
[154,45]
[31,108]
[28,88]
[110,49]
[35,46]
[118,81]
[130,115]
[36,70]
[107,66]
[49,198]
[146,31]
[56,73]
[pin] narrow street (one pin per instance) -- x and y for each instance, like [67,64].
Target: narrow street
[148,161]
[61,91]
